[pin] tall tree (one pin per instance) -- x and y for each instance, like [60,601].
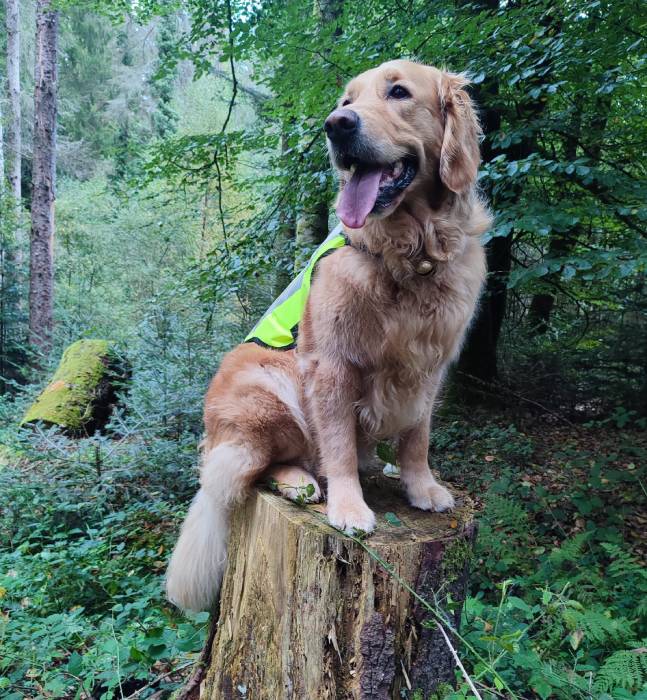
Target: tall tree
[14,143]
[41,267]
[478,359]
[588,142]
[312,222]
[2,175]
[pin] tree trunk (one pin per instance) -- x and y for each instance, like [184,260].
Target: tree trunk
[2,171]
[284,245]
[312,229]
[479,356]
[312,222]
[478,360]
[14,136]
[307,612]
[542,303]
[41,279]
[562,244]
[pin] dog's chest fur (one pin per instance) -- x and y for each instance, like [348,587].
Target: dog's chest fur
[400,337]
[419,333]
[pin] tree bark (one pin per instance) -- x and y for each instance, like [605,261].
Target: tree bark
[312,221]
[2,171]
[563,243]
[311,229]
[14,130]
[14,256]
[307,612]
[41,267]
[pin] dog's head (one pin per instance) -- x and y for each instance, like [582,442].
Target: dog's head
[400,129]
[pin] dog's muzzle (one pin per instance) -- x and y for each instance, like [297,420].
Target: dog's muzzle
[341,126]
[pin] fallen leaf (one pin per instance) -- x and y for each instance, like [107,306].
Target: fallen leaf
[575,639]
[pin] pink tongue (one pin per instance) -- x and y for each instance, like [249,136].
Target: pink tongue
[358,197]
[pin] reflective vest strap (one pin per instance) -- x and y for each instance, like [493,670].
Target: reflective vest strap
[278,326]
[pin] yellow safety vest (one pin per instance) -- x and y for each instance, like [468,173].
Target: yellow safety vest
[279,325]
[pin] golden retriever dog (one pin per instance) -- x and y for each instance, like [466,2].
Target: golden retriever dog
[385,317]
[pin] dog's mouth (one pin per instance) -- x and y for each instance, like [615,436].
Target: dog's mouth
[372,188]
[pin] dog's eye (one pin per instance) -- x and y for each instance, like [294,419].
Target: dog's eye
[345,102]
[398,92]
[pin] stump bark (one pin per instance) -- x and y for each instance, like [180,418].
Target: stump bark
[307,613]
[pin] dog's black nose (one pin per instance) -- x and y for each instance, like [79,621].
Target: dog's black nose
[341,125]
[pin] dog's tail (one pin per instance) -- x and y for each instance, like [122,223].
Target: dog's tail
[197,564]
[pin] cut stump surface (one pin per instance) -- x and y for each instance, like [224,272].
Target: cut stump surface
[307,613]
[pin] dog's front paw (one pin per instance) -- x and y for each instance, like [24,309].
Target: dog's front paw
[430,495]
[352,518]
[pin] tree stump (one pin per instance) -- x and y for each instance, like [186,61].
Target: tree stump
[307,613]
[82,393]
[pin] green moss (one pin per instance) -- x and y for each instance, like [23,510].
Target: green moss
[67,399]
[441,692]
[444,690]
[455,557]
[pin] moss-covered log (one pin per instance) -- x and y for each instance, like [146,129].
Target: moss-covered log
[307,613]
[82,392]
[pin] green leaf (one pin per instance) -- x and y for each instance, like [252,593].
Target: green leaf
[392,519]
[541,686]
[75,663]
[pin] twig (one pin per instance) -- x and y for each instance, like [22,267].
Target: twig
[257,95]
[157,680]
[466,676]
[488,388]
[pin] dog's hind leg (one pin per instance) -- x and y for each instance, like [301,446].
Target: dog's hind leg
[294,483]
[198,562]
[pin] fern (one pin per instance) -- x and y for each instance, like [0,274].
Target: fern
[504,541]
[597,626]
[506,514]
[625,669]
[623,565]
[570,551]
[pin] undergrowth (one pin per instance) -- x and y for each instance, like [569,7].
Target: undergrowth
[86,527]
[557,607]
[558,599]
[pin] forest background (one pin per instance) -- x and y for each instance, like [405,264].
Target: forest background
[192,181]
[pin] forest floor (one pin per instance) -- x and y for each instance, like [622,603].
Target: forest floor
[590,472]
[560,505]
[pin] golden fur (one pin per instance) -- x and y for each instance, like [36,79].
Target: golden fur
[374,344]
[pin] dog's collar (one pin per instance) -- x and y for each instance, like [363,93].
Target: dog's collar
[422,266]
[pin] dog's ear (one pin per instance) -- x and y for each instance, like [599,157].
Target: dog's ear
[459,155]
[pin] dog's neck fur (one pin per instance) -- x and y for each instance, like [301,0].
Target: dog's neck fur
[415,232]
